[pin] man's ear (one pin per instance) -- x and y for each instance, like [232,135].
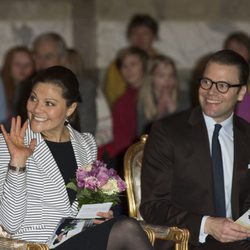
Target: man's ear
[242,93]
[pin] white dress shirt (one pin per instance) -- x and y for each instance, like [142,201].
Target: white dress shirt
[227,149]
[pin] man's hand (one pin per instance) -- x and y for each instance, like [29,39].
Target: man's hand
[225,230]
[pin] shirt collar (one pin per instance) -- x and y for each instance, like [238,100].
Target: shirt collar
[227,125]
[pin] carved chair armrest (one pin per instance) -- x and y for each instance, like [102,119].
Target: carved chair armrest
[11,244]
[177,235]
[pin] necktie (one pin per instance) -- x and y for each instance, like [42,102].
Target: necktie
[219,193]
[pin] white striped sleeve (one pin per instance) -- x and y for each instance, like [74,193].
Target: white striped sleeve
[12,193]
[13,201]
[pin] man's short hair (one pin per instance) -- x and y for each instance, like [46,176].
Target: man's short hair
[229,57]
[144,20]
[54,37]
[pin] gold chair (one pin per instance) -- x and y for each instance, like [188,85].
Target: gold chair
[7,243]
[132,172]
[12,244]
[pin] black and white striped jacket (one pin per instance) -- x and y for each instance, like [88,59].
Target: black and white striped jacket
[32,203]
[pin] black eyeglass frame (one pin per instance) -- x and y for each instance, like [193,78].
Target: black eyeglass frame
[216,84]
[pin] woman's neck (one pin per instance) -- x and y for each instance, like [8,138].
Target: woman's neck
[62,136]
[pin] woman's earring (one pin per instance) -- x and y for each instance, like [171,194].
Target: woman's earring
[66,122]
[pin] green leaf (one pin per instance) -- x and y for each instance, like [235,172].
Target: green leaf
[72,185]
[86,196]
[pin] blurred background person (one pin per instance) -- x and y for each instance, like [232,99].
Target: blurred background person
[50,50]
[133,65]
[194,82]
[158,95]
[142,31]
[18,66]
[3,108]
[103,131]
[240,43]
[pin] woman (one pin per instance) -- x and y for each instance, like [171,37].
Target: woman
[158,96]
[39,158]
[18,66]
[142,32]
[132,63]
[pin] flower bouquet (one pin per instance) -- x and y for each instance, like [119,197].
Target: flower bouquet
[95,183]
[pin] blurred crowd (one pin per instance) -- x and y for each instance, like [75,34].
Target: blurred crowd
[140,85]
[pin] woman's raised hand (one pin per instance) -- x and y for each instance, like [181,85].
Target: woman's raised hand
[15,141]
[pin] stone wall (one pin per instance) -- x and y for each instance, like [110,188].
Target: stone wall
[188,29]
[21,21]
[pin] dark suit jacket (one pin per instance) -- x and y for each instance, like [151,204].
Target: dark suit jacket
[177,184]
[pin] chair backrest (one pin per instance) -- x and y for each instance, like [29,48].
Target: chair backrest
[132,175]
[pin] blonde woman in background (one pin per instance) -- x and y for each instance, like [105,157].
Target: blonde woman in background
[158,96]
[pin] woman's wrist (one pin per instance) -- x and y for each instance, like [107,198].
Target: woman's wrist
[16,169]
[17,162]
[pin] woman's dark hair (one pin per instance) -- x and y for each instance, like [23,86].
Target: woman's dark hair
[67,81]
[145,20]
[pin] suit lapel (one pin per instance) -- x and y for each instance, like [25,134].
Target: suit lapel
[80,147]
[198,136]
[46,164]
[240,168]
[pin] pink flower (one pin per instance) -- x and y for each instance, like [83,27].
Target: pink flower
[112,172]
[81,174]
[102,178]
[92,183]
[120,183]
[96,183]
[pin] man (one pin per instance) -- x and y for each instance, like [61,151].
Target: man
[50,50]
[179,181]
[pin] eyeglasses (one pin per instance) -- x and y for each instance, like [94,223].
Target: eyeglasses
[221,86]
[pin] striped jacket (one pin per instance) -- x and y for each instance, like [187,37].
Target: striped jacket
[32,203]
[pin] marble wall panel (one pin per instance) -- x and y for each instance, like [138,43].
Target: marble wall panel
[16,32]
[184,41]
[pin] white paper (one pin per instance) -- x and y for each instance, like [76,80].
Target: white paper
[67,228]
[244,220]
[89,211]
